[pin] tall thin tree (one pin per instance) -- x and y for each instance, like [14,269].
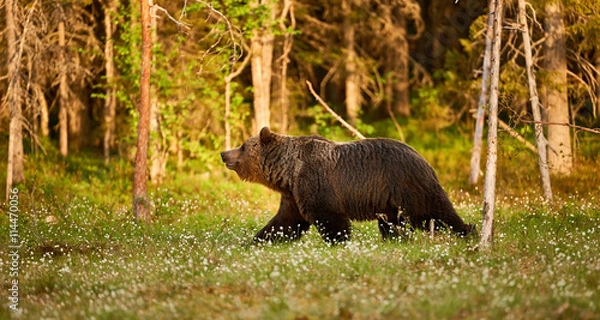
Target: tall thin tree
[560,157]
[535,104]
[63,89]
[483,98]
[141,203]
[487,230]
[261,64]
[352,77]
[109,66]
[14,168]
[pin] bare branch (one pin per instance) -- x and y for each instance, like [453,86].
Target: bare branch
[592,130]
[178,22]
[335,115]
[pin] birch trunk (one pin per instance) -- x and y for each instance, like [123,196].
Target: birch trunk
[560,160]
[63,111]
[480,118]
[109,65]
[141,203]
[487,228]
[535,105]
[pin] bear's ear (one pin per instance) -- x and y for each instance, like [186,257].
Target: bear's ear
[265,135]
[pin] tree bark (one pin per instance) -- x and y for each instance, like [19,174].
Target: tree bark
[141,203]
[483,96]
[535,105]
[42,110]
[64,94]
[284,60]
[352,78]
[158,152]
[14,168]
[487,228]
[261,64]
[597,63]
[109,65]
[397,88]
[560,159]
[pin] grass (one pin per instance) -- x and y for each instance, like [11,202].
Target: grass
[84,257]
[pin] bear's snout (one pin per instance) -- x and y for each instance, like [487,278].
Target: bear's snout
[228,159]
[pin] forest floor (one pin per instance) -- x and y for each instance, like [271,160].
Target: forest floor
[83,256]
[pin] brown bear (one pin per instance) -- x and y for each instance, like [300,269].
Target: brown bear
[328,184]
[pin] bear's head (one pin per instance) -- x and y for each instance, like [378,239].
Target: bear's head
[246,159]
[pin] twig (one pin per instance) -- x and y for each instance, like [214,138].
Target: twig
[517,136]
[178,22]
[335,115]
[592,130]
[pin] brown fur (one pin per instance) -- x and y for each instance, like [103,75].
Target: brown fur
[328,184]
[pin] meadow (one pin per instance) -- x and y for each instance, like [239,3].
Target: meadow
[84,257]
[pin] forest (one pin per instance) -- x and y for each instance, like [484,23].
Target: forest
[73,96]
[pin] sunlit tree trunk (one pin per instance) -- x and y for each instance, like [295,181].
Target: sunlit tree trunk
[44,129]
[281,91]
[109,65]
[597,81]
[63,91]
[397,88]
[14,168]
[261,64]
[560,159]
[489,193]
[158,152]
[141,203]
[483,98]
[352,77]
[535,105]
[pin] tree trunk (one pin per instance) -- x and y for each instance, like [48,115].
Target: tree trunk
[597,62]
[109,65]
[42,110]
[158,152]
[64,94]
[483,96]
[284,60]
[14,168]
[487,228]
[560,159]
[261,63]
[397,88]
[535,105]
[141,203]
[352,78]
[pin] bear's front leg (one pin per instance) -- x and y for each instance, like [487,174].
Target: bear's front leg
[288,224]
